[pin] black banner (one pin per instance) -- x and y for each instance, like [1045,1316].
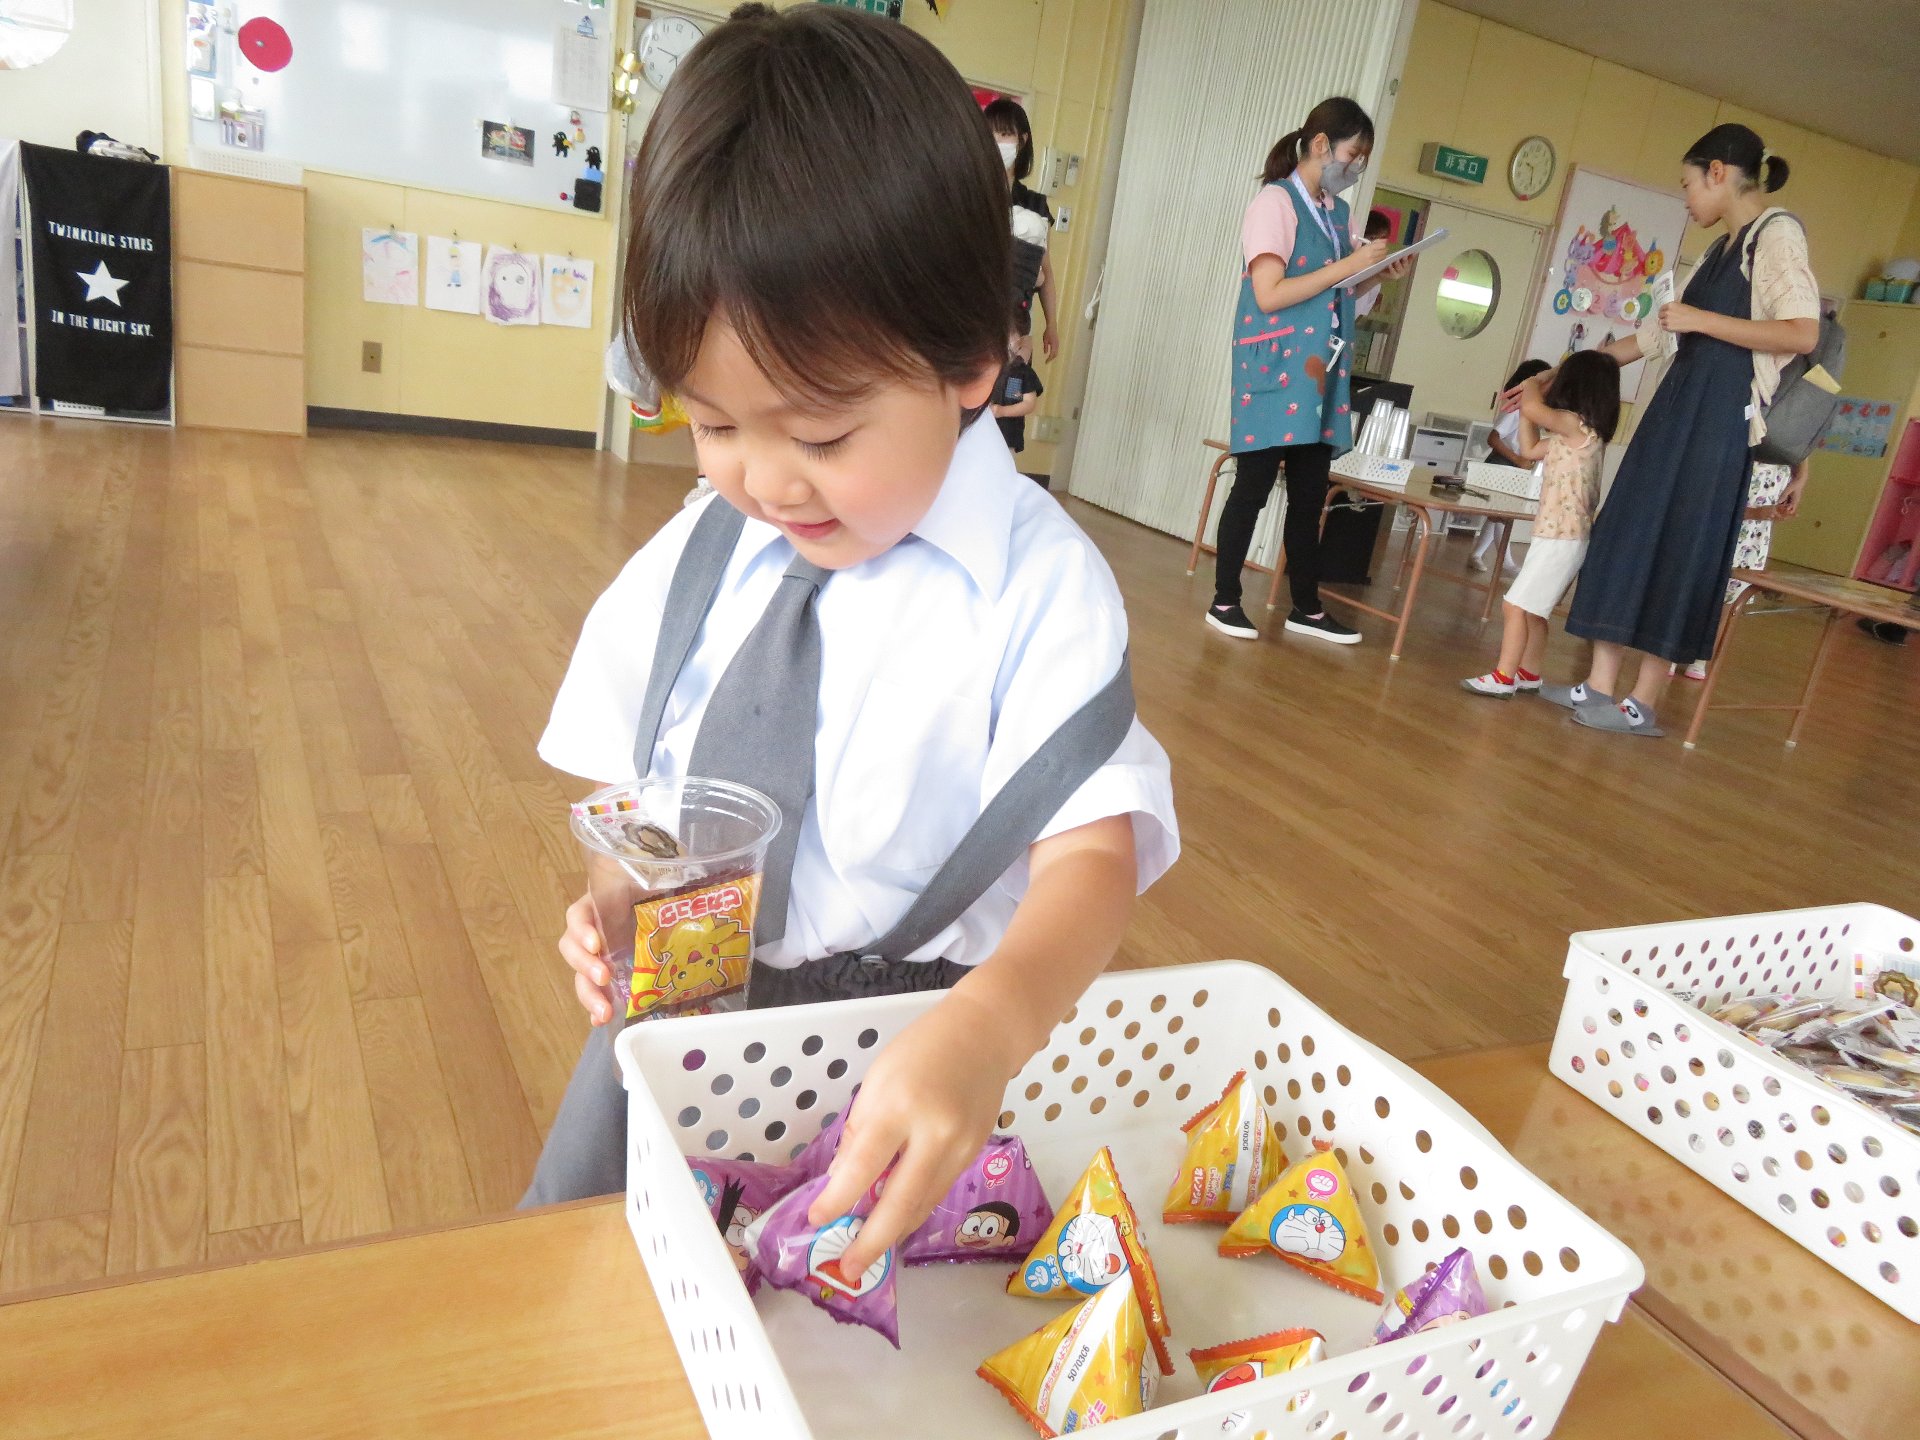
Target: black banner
[102,278]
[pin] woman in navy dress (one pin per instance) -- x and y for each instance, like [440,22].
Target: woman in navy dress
[1656,572]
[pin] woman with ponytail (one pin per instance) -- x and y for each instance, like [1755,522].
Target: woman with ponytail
[1292,327]
[1663,544]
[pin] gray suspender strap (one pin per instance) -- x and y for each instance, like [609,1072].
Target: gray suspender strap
[696,579]
[1015,817]
[1012,820]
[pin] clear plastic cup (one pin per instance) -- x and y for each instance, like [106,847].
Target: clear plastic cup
[677,929]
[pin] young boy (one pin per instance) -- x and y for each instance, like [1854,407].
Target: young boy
[834,314]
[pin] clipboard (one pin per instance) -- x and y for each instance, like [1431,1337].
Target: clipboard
[1426,242]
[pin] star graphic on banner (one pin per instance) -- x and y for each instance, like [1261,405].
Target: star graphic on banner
[101,285]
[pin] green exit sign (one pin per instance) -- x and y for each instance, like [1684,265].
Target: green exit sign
[888,8]
[1451,164]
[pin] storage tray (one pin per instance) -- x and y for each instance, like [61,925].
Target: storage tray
[1143,1050]
[1833,1173]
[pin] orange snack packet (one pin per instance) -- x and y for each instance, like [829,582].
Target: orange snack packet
[1233,1155]
[1094,1241]
[1086,1367]
[1240,1362]
[1310,1219]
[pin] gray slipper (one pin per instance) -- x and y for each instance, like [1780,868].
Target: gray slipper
[1575,697]
[1620,719]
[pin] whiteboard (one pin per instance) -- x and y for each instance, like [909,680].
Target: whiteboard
[396,90]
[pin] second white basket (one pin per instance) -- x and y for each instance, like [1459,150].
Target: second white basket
[1833,1173]
[1141,1053]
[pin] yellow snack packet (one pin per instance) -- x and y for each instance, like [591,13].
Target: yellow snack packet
[1094,1241]
[1086,1367]
[1310,1219]
[1233,1155]
[1240,1362]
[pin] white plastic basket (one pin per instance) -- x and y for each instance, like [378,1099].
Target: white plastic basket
[1836,1175]
[1141,1053]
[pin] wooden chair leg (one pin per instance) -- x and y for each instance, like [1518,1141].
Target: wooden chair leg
[1206,509]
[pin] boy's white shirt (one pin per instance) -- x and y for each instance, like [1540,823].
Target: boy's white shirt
[947,661]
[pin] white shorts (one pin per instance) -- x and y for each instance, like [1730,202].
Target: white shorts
[1545,575]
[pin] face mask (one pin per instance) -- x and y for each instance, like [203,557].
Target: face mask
[1008,150]
[1338,175]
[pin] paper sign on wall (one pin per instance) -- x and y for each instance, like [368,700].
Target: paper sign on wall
[512,294]
[390,267]
[566,292]
[453,275]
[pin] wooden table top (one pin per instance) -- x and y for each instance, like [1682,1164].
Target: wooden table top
[1420,491]
[544,1323]
[1855,597]
[1819,1352]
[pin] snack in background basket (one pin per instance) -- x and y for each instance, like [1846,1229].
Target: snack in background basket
[737,1193]
[794,1255]
[1443,1294]
[1310,1219]
[1083,1368]
[1093,1241]
[1241,1362]
[990,1213]
[1233,1153]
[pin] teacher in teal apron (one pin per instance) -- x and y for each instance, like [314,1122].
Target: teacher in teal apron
[1292,329]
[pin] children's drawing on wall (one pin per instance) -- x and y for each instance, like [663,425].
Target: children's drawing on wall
[453,274]
[1613,241]
[567,296]
[390,267]
[512,293]
[1860,427]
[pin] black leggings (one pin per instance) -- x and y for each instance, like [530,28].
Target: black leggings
[1254,475]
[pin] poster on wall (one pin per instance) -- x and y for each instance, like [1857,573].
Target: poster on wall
[1613,238]
[512,294]
[389,266]
[566,292]
[453,275]
[101,253]
[1860,427]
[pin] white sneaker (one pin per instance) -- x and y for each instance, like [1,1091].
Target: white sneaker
[1490,684]
[1478,562]
[1697,670]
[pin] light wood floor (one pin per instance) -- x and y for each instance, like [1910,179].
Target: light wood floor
[280,870]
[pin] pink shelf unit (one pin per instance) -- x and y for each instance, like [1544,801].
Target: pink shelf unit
[1891,555]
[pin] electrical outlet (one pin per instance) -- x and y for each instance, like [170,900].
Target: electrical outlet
[1063,217]
[370,356]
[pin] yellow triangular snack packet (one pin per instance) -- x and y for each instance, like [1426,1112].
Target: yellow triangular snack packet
[1233,1155]
[1093,1241]
[1086,1367]
[1310,1219]
[1241,1362]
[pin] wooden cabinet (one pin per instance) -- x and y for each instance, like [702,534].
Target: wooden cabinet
[1843,491]
[239,309]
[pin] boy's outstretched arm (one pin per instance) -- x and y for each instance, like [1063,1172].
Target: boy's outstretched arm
[931,1097]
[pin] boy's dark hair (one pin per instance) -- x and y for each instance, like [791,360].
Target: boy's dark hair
[1379,225]
[824,182]
[1588,383]
[1009,117]
[1338,118]
[1001,1208]
[1741,149]
[1525,370]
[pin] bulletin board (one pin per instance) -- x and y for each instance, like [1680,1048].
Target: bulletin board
[1613,236]
[457,95]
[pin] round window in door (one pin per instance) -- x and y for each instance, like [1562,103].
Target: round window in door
[1469,294]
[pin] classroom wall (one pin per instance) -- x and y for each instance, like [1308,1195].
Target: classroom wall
[104,78]
[1063,55]
[1484,87]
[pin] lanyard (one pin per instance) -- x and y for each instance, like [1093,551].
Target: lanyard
[1320,215]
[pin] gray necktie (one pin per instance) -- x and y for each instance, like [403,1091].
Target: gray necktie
[760,722]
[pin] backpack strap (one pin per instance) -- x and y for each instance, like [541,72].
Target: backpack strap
[696,580]
[1016,815]
[1753,239]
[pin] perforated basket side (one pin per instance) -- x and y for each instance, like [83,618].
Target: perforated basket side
[1142,1051]
[1838,1177]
